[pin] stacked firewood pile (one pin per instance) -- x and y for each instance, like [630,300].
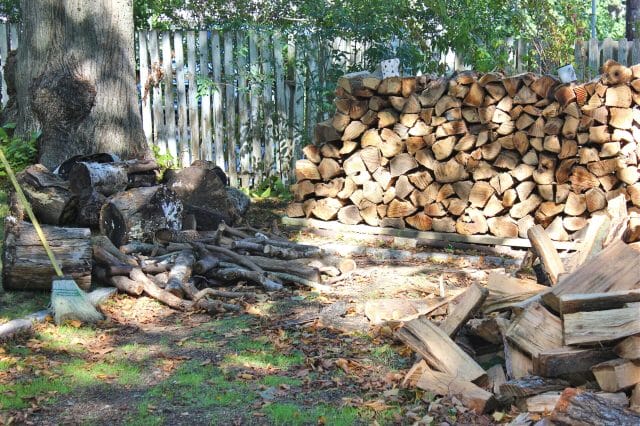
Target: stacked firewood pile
[473,154]
[115,223]
[570,350]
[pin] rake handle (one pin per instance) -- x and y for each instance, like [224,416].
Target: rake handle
[32,217]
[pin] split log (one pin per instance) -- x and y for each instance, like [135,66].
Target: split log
[506,291]
[472,396]
[616,375]
[613,269]
[462,308]
[26,265]
[547,252]
[629,348]
[536,330]
[440,352]
[577,407]
[137,213]
[601,326]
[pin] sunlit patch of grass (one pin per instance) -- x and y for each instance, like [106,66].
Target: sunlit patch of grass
[66,338]
[202,387]
[84,373]
[18,394]
[144,417]
[226,325]
[294,415]
[272,380]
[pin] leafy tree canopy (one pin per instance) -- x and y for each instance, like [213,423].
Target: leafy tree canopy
[481,31]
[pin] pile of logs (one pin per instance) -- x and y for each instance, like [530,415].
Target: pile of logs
[115,223]
[570,350]
[475,153]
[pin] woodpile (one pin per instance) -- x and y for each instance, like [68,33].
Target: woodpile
[112,223]
[473,154]
[569,350]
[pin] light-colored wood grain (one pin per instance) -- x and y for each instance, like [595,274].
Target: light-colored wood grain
[438,350]
[600,326]
[535,330]
[462,308]
[472,396]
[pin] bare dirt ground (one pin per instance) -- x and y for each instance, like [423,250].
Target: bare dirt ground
[294,357]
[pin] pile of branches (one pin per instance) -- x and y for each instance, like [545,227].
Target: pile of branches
[188,270]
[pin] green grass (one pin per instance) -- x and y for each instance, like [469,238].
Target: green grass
[280,380]
[264,360]
[70,376]
[227,325]
[293,415]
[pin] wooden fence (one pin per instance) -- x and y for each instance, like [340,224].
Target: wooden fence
[249,101]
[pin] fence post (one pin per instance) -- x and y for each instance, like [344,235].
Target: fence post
[623,51]
[298,102]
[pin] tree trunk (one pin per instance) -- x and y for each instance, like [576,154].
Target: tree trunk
[77,79]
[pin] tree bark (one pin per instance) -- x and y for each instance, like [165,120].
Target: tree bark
[76,79]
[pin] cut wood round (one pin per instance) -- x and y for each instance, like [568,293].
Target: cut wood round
[51,200]
[444,224]
[329,168]
[402,164]
[450,172]
[472,222]
[312,152]
[353,131]
[88,210]
[138,213]
[503,227]
[419,221]
[596,199]
[349,215]
[105,178]
[575,205]
[330,189]
[327,208]
[25,264]
[306,169]
[399,209]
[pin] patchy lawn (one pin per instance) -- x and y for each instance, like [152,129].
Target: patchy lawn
[295,358]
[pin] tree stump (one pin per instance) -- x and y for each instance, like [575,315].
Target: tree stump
[138,213]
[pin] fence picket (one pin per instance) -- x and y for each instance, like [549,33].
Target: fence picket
[594,58]
[205,111]
[216,101]
[169,112]
[155,94]
[313,87]
[623,51]
[607,49]
[282,154]
[230,109]
[243,110]
[298,103]
[192,100]
[256,146]
[268,106]
[183,132]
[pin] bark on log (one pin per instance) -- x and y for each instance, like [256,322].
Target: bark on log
[49,195]
[136,214]
[577,407]
[26,265]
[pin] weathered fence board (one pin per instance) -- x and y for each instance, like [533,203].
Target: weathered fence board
[206,149]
